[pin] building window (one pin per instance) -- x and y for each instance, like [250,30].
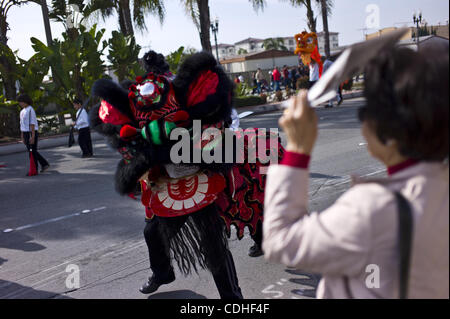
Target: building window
[291,42]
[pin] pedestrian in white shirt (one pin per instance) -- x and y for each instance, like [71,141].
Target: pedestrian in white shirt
[314,73]
[84,132]
[29,130]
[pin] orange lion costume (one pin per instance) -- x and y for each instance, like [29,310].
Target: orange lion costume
[307,48]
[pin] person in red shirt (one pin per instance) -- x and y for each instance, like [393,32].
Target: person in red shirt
[276,78]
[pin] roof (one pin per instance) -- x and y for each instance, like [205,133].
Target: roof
[249,40]
[223,45]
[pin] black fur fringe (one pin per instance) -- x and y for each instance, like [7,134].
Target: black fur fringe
[197,240]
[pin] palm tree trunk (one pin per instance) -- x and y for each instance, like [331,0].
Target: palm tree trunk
[48,31]
[126,24]
[310,16]
[205,22]
[325,27]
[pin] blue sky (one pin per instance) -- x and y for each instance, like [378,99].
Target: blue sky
[237,21]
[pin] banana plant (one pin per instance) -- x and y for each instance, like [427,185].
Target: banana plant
[75,62]
[123,56]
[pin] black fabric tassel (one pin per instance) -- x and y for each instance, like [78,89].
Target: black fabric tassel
[196,240]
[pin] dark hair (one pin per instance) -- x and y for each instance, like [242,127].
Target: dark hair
[25,99]
[407,100]
[77,101]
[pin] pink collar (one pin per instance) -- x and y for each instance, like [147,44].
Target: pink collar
[391,170]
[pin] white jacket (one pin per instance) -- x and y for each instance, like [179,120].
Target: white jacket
[359,230]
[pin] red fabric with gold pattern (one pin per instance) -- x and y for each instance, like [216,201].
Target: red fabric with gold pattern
[242,202]
[183,196]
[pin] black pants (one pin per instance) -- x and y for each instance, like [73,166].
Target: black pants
[84,140]
[38,158]
[225,276]
[258,236]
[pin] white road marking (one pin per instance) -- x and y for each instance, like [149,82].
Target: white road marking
[9,230]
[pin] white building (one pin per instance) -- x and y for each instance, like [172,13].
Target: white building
[254,45]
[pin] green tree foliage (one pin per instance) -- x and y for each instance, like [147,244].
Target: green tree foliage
[75,62]
[128,12]
[274,44]
[174,59]
[242,51]
[123,56]
[423,31]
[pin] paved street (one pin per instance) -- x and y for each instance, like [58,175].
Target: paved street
[71,215]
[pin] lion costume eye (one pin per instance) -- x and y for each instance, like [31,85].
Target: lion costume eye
[146,90]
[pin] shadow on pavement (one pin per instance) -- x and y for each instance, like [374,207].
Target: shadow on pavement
[177,294]
[18,241]
[308,285]
[12,290]
[318,175]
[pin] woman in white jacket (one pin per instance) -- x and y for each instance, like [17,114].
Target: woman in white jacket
[405,123]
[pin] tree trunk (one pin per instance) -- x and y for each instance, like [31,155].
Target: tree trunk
[325,27]
[310,15]
[48,31]
[205,23]
[126,24]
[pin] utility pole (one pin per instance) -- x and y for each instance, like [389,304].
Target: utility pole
[215,30]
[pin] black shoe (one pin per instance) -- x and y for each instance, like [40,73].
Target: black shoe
[87,155]
[255,251]
[153,284]
[340,101]
[43,169]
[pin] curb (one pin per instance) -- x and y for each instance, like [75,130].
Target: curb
[266,108]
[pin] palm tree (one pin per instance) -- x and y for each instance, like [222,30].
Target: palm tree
[308,4]
[123,9]
[198,10]
[274,44]
[326,6]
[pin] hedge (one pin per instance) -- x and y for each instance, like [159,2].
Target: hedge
[248,101]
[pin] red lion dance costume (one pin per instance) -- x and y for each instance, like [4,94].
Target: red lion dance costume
[190,207]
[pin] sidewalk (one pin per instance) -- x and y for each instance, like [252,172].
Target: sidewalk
[44,142]
[62,140]
[276,106]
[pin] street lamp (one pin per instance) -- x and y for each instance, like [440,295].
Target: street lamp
[417,20]
[215,30]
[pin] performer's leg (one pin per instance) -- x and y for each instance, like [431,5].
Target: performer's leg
[157,250]
[226,279]
[218,257]
[159,256]
[256,249]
